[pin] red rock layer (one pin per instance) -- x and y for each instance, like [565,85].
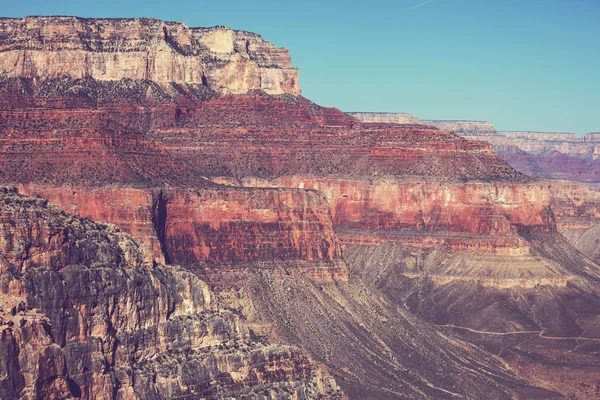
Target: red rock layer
[155,137]
[540,154]
[218,228]
[253,135]
[488,215]
[574,200]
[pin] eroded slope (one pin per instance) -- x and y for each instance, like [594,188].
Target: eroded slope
[86,313]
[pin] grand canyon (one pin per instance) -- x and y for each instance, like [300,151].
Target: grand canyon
[178,221]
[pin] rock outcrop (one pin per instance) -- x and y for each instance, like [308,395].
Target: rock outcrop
[167,53]
[463,216]
[87,314]
[592,137]
[578,216]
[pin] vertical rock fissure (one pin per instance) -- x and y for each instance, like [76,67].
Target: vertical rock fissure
[159,221]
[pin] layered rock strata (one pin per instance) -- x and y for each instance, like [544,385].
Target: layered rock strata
[578,216]
[471,216]
[464,127]
[547,155]
[164,52]
[87,314]
[543,154]
[184,166]
[257,140]
[216,229]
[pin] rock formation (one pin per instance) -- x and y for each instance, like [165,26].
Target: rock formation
[386,118]
[167,53]
[470,127]
[541,154]
[264,194]
[87,314]
[215,228]
[551,155]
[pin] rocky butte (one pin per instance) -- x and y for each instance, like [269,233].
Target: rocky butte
[324,241]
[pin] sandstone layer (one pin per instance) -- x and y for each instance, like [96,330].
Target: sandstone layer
[164,52]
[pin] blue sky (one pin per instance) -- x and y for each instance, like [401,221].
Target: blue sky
[523,65]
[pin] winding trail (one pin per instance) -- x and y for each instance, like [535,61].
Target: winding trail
[539,333]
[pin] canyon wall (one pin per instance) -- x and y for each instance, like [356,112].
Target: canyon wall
[410,183]
[255,191]
[549,155]
[593,137]
[164,52]
[218,228]
[416,179]
[471,216]
[86,314]
[541,154]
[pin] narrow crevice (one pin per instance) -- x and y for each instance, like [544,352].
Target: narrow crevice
[159,221]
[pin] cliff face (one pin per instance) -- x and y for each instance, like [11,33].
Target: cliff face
[216,229]
[164,52]
[86,314]
[470,216]
[364,171]
[593,137]
[578,215]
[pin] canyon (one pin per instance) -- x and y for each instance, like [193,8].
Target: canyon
[549,155]
[203,230]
